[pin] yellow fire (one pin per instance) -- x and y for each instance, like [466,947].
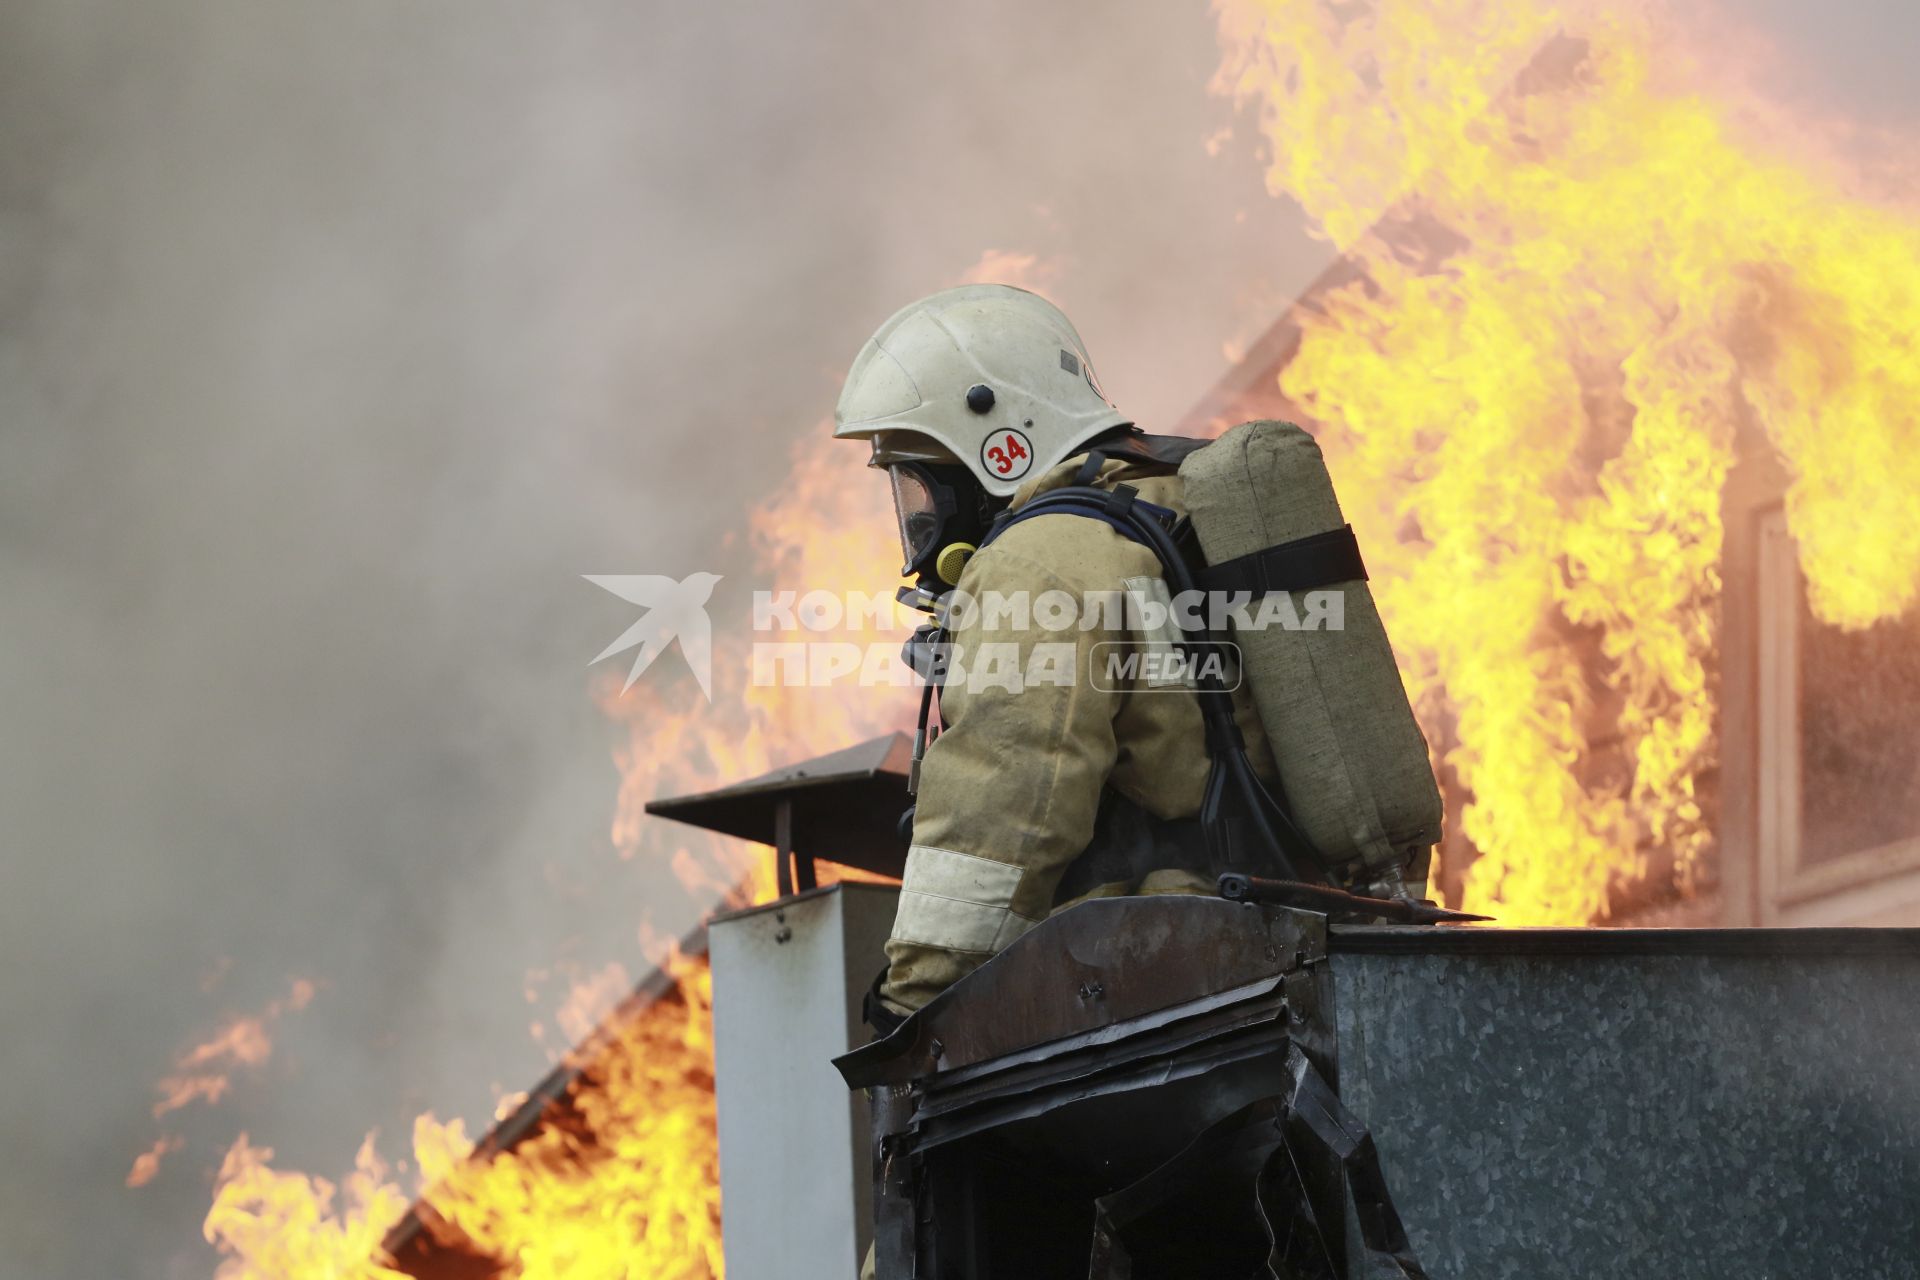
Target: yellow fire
[284,1226]
[829,529]
[623,1186]
[630,1190]
[627,1186]
[1582,279]
[205,1072]
[1530,423]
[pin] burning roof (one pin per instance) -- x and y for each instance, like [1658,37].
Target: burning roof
[1563,302]
[609,1162]
[650,1059]
[1561,309]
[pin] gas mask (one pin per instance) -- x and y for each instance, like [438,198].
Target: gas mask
[943,514]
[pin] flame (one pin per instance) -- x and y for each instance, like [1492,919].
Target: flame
[1534,469]
[828,530]
[146,1165]
[628,1184]
[1583,278]
[203,1072]
[621,1182]
[589,1001]
[284,1226]
[632,1189]
[1022,270]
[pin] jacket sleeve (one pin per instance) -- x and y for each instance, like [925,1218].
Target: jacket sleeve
[1009,792]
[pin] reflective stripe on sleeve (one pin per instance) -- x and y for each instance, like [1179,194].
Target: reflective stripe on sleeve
[958,901]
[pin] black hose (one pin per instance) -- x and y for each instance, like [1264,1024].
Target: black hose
[1272,829]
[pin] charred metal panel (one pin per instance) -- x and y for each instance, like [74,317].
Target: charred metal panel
[794,1144]
[1104,963]
[844,807]
[1057,1114]
[1698,1103]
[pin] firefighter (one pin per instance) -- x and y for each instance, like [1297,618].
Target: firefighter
[1063,772]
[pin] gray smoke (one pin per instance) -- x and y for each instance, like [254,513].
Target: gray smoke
[336,341]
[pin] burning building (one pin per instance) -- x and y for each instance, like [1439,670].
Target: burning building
[1622,411]
[1738,1099]
[1809,798]
[644,1078]
[1649,586]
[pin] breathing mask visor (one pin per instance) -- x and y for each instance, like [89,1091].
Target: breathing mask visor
[942,513]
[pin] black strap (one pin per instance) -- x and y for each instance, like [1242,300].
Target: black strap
[1318,560]
[1135,445]
[1246,823]
[1113,507]
[1129,844]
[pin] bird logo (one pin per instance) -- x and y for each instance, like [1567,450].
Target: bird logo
[674,610]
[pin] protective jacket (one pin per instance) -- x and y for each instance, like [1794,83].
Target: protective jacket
[1043,790]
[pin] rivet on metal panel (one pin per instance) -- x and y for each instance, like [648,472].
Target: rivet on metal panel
[784,936]
[1091,991]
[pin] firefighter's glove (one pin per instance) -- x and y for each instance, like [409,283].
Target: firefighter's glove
[875,1012]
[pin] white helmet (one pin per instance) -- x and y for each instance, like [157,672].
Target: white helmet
[995,377]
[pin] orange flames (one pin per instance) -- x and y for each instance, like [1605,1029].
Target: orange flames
[204,1073]
[627,1185]
[1582,284]
[621,1181]
[146,1165]
[285,1226]
[1583,281]
[624,1181]
[829,530]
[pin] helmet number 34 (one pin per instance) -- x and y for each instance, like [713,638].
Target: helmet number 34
[1007,453]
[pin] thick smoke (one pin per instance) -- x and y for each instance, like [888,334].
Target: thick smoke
[336,341]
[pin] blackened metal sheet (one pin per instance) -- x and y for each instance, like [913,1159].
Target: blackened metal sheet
[1687,1103]
[846,806]
[1086,1054]
[1095,965]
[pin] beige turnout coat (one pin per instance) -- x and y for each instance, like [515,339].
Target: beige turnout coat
[1009,792]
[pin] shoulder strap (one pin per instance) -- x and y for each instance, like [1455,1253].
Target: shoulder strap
[1110,507]
[1242,820]
[1136,445]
